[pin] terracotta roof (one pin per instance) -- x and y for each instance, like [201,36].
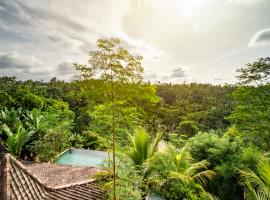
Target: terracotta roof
[65,174]
[27,183]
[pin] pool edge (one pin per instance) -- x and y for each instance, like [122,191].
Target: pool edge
[60,154]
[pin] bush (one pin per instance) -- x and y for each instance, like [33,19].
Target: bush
[6,100]
[31,101]
[226,156]
[188,128]
[89,140]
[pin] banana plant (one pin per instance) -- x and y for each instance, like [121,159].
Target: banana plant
[11,117]
[16,140]
[33,119]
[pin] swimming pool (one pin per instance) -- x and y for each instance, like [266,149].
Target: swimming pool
[81,157]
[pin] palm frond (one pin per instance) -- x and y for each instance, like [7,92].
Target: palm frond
[212,197]
[141,147]
[252,178]
[251,194]
[204,177]
[198,166]
[256,184]
[181,177]
[156,143]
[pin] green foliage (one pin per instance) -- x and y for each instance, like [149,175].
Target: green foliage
[40,119]
[127,120]
[257,182]
[57,117]
[33,119]
[11,118]
[223,154]
[257,72]
[6,100]
[204,104]
[55,127]
[129,180]
[226,156]
[173,174]
[30,101]
[89,140]
[141,147]
[177,140]
[16,140]
[187,128]
[251,114]
[112,62]
[50,145]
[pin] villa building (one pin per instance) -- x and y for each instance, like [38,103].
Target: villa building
[47,181]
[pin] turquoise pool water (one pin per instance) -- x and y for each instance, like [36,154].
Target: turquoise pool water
[80,157]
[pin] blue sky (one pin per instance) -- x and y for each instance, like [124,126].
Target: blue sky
[180,40]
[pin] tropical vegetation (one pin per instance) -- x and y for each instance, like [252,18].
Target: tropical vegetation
[178,141]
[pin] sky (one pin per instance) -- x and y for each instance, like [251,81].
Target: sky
[180,40]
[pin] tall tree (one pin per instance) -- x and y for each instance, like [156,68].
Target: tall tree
[251,113]
[115,66]
[257,72]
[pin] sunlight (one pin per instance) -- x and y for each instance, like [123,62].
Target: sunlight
[134,99]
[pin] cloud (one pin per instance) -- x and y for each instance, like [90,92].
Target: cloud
[218,79]
[12,14]
[24,67]
[150,75]
[16,61]
[261,38]
[65,68]
[67,35]
[178,73]
[247,2]
[164,33]
[175,75]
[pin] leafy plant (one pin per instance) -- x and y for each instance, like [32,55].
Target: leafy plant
[17,140]
[33,119]
[174,166]
[141,147]
[257,183]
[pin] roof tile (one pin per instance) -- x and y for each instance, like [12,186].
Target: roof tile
[46,181]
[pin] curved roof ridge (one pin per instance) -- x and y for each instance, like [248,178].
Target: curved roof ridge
[18,183]
[74,184]
[22,167]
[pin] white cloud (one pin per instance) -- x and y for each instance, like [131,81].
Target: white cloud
[262,37]
[14,60]
[165,33]
[178,72]
[24,67]
[247,2]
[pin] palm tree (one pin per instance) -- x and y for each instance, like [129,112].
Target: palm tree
[173,164]
[15,141]
[141,151]
[257,183]
[141,147]
[184,170]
